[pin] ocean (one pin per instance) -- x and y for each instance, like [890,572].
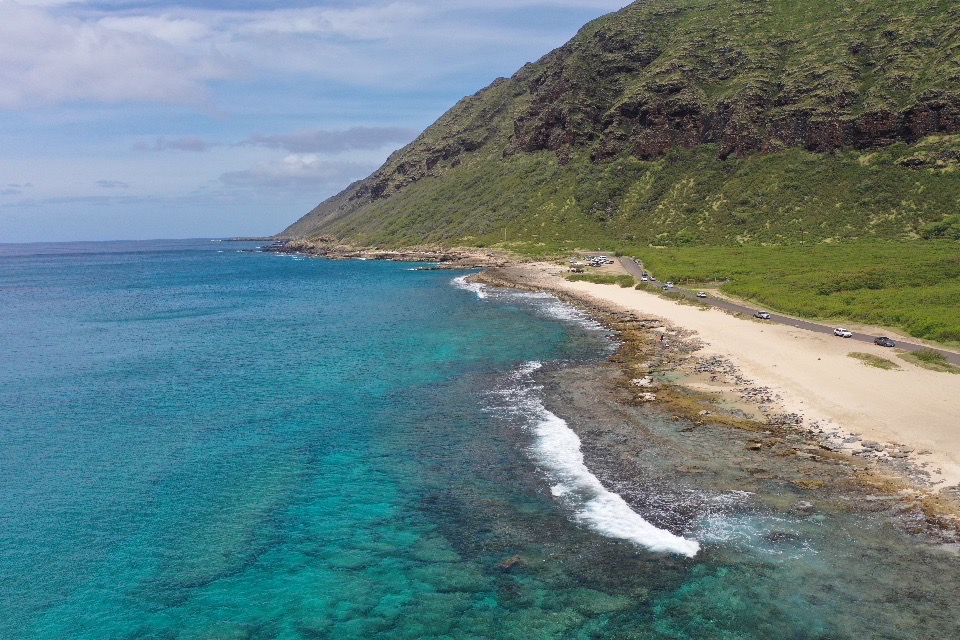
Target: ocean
[202,441]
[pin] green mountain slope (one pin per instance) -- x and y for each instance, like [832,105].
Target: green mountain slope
[673,122]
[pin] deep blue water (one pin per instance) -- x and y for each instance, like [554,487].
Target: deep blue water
[198,442]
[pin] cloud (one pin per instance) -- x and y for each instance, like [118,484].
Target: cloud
[187,143]
[374,21]
[14,188]
[297,170]
[55,51]
[112,184]
[320,141]
[300,141]
[46,58]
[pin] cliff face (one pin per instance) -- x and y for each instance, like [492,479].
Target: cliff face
[731,79]
[749,76]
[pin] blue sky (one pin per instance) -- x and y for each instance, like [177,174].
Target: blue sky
[126,119]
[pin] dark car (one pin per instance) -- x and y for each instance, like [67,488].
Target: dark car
[884,341]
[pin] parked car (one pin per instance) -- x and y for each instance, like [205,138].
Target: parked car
[842,333]
[701,294]
[762,315]
[884,341]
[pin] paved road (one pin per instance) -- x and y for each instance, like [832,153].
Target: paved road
[636,269]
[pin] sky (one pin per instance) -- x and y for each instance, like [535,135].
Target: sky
[140,119]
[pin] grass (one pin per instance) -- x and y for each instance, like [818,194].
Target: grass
[874,361]
[532,204]
[603,278]
[912,286]
[929,359]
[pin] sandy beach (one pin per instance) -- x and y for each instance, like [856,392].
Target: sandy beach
[907,420]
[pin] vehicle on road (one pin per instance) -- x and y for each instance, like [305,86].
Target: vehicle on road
[884,341]
[668,285]
[665,288]
[701,294]
[842,333]
[644,279]
[762,315]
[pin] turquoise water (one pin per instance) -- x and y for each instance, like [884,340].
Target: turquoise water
[199,442]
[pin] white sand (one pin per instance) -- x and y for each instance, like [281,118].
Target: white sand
[816,378]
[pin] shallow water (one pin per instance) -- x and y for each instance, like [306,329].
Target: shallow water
[197,442]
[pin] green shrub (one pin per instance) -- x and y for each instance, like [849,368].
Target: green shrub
[603,278]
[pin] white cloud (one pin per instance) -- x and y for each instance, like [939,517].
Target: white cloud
[176,31]
[112,184]
[186,143]
[357,23]
[53,52]
[297,170]
[313,141]
[46,59]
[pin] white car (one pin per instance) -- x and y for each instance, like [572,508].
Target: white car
[669,285]
[644,279]
[842,333]
[701,294]
[762,315]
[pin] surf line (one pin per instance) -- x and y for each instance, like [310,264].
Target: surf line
[558,449]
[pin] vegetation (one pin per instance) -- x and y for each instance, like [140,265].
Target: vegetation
[534,204]
[914,286]
[874,361]
[621,280]
[930,359]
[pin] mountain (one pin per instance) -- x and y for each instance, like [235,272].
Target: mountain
[690,121]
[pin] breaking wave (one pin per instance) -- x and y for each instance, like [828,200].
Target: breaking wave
[557,449]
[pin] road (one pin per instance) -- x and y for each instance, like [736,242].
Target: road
[635,269]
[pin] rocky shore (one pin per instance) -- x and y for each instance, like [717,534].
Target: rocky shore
[446,258]
[743,439]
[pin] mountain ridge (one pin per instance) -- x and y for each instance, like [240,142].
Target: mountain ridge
[671,122]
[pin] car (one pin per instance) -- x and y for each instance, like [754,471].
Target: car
[644,279]
[665,288]
[842,333]
[762,315]
[701,294]
[668,285]
[884,341]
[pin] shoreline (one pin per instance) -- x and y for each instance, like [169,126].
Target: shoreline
[446,258]
[702,380]
[667,363]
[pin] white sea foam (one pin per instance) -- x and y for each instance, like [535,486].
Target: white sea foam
[557,448]
[544,304]
[461,283]
[552,307]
